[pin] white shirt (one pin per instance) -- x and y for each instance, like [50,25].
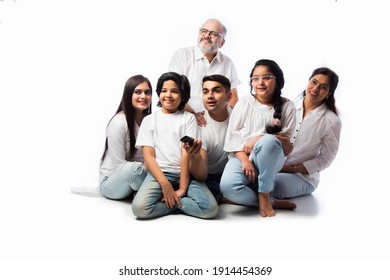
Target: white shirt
[118,145]
[316,140]
[213,140]
[192,63]
[163,132]
[250,118]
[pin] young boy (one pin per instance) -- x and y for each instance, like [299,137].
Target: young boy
[168,187]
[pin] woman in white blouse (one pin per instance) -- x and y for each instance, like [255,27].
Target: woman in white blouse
[122,169]
[257,139]
[315,139]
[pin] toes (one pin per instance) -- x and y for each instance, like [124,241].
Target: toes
[267,213]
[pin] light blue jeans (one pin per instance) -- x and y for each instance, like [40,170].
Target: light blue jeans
[199,201]
[268,159]
[289,185]
[124,181]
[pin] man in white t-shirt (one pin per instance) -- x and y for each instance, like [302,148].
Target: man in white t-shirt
[207,157]
[202,60]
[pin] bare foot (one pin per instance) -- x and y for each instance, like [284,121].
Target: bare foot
[283,204]
[265,206]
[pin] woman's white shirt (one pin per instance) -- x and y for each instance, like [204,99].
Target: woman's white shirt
[118,145]
[315,139]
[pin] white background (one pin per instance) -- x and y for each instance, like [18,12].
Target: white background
[63,65]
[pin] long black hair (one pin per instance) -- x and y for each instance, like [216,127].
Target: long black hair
[126,105]
[277,99]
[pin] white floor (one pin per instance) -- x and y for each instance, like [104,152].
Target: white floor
[99,236]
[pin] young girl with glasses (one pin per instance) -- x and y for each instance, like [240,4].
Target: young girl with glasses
[258,141]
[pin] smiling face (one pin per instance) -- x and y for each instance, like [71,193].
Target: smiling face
[263,83]
[210,36]
[170,97]
[317,89]
[142,97]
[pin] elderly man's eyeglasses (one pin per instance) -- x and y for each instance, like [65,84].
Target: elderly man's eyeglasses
[265,78]
[213,34]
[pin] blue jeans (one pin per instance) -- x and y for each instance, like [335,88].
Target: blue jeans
[124,181]
[289,185]
[212,182]
[198,202]
[268,158]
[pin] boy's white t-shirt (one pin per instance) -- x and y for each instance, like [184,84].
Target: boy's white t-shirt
[163,132]
[213,141]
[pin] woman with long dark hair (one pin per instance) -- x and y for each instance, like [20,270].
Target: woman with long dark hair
[122,169]
[316,137]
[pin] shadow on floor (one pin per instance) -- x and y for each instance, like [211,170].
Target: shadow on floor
[306,206]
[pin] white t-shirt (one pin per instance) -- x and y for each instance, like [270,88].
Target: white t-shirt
[249,118]
[213,141]
[316,141]
[192,63]
[118,145]
[163,132]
